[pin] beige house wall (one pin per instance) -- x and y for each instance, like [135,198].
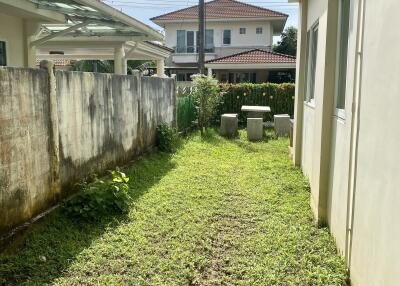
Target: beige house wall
[12,32]
[351,156]
[375,256]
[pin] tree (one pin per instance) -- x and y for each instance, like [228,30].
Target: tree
[288,43]
[107,66]
[207,97]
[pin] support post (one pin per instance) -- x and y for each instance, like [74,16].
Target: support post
[120,63]
[161,68]
[210,72]
[31,30]
[54,130]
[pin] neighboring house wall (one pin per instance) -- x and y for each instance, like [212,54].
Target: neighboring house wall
[12,32]
[88,123]
[239,42]
[351,156]
[261,75]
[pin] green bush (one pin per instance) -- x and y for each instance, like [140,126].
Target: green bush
[100,198]
[166,138]
[185,112]
[206,95]
[280,97]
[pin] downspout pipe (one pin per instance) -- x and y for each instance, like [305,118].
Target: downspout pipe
[355,128]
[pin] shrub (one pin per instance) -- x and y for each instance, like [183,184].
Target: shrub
[206,95]
[166,138]
[100,198]
[185,112]
[280,97]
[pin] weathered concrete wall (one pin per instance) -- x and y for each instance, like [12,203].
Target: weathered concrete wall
[24,145]
[102,120]
[107,119]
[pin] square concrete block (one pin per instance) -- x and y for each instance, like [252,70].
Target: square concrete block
[229,125]
[282,124]
[254,129]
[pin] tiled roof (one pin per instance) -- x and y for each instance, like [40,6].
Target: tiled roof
[255,56]
[222,9]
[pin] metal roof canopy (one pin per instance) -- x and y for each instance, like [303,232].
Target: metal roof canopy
[84,21]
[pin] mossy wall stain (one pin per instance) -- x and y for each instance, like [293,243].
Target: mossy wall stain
[103,120]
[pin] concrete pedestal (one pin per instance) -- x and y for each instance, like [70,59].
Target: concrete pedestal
[229,125]
[282,124]
[254,129]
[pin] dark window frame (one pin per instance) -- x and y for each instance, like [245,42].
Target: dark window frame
[227,37]
[3,53]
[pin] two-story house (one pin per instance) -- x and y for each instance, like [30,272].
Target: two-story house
[238,42]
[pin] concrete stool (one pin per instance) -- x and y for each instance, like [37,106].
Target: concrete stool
[282,124]
[254,129]
[229,125]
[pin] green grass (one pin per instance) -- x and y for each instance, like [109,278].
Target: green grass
[217,212]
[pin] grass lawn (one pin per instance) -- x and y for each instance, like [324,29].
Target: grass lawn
[217,212]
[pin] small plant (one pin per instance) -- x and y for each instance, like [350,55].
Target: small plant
[166,137]
[207,97]
[100,198]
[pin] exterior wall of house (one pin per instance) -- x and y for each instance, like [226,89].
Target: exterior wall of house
[55,130]
[12,32]
[376,230]
[238,41]
[359,188]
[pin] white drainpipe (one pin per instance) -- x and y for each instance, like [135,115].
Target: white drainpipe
[355,126]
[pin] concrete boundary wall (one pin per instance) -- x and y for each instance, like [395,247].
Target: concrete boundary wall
[58,127]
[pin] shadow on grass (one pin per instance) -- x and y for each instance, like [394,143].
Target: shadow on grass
[51,246]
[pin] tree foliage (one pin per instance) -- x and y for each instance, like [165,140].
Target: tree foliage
[207,97]
[288,43]
[107,66]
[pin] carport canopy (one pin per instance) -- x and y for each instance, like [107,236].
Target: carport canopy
[93,30]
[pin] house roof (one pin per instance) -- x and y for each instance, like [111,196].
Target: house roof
[255,56]
[222,9]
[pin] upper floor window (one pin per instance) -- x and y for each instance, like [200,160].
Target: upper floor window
[259,30]
[187,41]
[181,41]
[227,37]
[343,40]
[242,31]
[311,63]
[3,54]
[209,41]
[190,47]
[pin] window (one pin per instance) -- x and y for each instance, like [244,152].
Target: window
[3,54]
[224,77]
[227,37]
[209,41]
[312,47]
[184,76]
[185,41]
[181,41]
[259,30]
[190,42]
[239,77]
[242,31]
[343,40]
[180,77]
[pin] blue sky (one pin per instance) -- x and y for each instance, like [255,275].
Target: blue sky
[143,10]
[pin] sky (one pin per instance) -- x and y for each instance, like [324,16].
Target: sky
[143,10]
